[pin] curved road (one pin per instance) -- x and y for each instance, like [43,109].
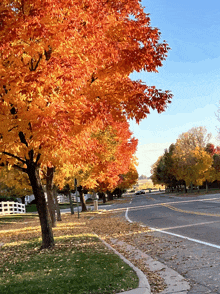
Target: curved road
[189,230]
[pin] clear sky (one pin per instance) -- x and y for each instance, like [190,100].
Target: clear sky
[191,72]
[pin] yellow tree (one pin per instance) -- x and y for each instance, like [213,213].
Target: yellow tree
[191,161]
[193,165]
[14,183]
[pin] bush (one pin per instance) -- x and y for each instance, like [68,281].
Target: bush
[8,199]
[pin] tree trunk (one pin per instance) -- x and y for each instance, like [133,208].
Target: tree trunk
[82,199]
[49,189]
[23,199]
[103,197]
[206,185]
[56,204]
[185,190]
[191,187]
[70,198]
[110,196]
[120,192]
[46,228]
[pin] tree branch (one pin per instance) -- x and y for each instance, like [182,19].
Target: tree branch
[38,158]
[22,138]
[14,156]
[33,68]
[20,168]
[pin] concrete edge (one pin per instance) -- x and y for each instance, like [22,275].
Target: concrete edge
[174,281]
[143,287]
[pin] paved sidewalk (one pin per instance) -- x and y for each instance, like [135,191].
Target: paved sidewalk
[176,284]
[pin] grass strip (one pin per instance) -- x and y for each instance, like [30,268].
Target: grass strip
[78,264]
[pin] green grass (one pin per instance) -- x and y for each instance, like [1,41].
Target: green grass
[196,192]
[80,264]
[15,218]
[33,207]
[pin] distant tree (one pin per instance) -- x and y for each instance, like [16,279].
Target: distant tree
[210,148]
[193,165]
[163,171]
[195,137]
[142,177]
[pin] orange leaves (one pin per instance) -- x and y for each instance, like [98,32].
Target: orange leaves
[65,68]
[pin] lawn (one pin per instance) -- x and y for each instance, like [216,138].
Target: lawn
[33,208]
[80,263]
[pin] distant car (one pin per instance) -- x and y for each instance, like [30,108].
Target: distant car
[140,192]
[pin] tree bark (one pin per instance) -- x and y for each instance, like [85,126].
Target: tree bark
[103,197]
[59,219]
[110,196]
[206,186]
[46,228]
[23,199]
[191,187]
[185,190]
[70,198]
[82,199]
[49,189]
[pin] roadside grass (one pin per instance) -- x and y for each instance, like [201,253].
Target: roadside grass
[195,192]
[79,263]
[15,218]
[33,208]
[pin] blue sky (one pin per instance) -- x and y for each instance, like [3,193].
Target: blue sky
[191,72]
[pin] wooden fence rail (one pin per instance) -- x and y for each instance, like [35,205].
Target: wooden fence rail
[11,207]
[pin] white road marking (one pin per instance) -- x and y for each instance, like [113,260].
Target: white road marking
[176,235]
[192,225]
[159,204]
[126,216]
[187,238]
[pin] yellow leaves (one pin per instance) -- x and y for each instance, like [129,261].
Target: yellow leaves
[192,164]
[9,167]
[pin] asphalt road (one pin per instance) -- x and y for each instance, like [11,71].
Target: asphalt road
[189,232]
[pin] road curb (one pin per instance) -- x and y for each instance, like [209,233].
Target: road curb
[175,282]
[143,287]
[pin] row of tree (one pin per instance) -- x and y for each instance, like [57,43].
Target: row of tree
[192,160]
[66,92]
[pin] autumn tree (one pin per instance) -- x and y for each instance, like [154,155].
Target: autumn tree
[192,161]
[163,170]
[111,159]
[195,137]
[64,64]
[193,165]
[116,160]
[213,173]
[14,183]
[127,180]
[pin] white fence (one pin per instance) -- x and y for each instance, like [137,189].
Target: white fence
[65,199]
[11,207]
